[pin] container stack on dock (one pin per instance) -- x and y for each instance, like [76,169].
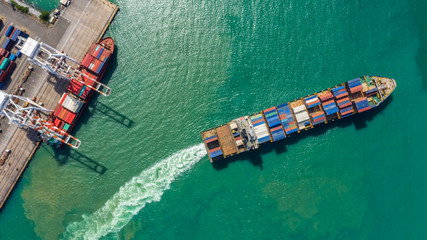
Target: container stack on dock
[276,123]
[8,55]
[73,102]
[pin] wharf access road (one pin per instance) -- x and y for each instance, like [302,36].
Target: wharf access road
[79,25]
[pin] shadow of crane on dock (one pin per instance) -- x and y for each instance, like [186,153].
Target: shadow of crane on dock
[65,154]
[255,156]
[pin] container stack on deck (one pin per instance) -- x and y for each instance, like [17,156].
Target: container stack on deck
[78,94]
[7,58]
[288,121]
[277,123]
[273,121]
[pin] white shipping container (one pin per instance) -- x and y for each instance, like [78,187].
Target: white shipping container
[299,109]
[72,104]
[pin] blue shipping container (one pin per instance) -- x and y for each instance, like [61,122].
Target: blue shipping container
[264,139]
[12,57]
[209,138]
[278,134]
[6,44]
[100,68]
[15,35]
[100,52]
[9,31]
[257,124]
[216,153]
[83,89]
[18,54]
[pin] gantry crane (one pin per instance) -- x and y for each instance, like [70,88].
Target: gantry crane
[55,62]
[27,116]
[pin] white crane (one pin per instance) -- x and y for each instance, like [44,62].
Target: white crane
[55,63]
[26,116]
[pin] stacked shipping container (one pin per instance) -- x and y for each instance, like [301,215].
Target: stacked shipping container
[287,118]
[274,124]
[301,115]
[7,59]
[260,128]
[343,101]
[313,105]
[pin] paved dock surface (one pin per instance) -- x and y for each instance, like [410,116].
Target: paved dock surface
[80,24]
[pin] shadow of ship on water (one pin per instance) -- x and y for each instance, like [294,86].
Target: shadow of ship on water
[360,121]
[67,154]
[95,106]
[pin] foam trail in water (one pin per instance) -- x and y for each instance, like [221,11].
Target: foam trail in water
[134,195]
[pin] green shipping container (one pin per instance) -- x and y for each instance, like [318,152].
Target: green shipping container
[4,64]
[66,127]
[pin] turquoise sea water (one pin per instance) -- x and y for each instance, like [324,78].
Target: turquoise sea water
[46,5]
[185,66]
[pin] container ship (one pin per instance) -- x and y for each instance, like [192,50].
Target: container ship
[279,122]
[73,102]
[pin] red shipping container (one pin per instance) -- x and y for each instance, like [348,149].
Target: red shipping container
[269,109]
[106,53]
[258,121]
[11,66]
[86,61]
[3,76]
[211,140]
[322,119]
[102,58]
[215,149]
[97,64]
[62,98]
[316,114]
[356,89]
[328,102]
[2,52]
[326,97]
[92,64]
[85,93]
[62,113]
[57,122]
[74,91]
[92,49]
[276,128]
[57,110]
[70,117]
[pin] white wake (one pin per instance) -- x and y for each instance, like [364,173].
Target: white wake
[134,195]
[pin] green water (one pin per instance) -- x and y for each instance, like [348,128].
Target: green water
[46,5]
[185,66]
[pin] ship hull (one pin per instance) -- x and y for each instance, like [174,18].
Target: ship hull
[279,122]
[95,64]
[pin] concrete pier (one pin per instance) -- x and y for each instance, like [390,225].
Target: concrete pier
[79,25]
